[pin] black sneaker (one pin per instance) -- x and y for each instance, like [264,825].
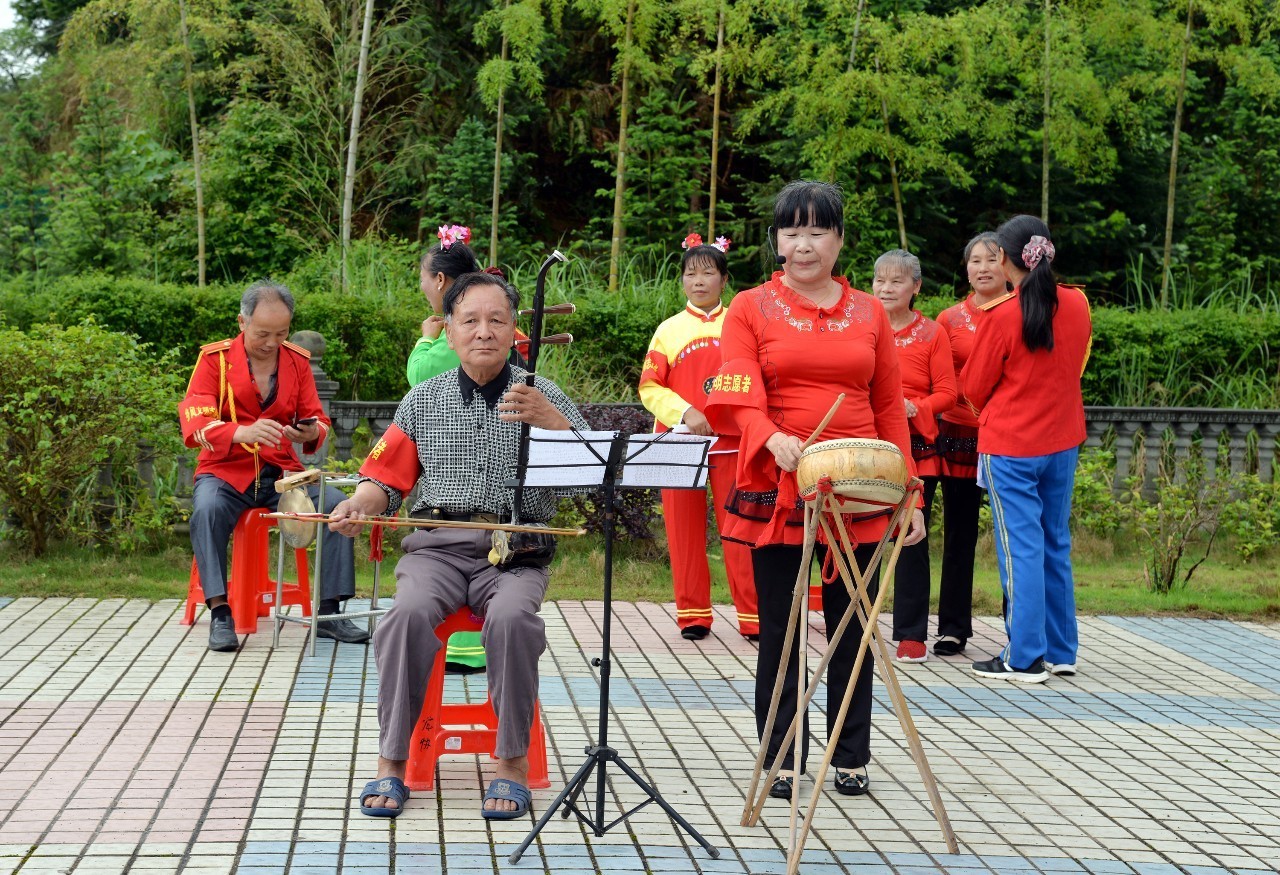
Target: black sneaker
[342,630]
[782,788]
[995,667]
[948,645]
[222,634]
[694,633]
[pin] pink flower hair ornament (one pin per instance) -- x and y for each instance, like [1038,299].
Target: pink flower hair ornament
[695,239]
[451,234]
[1037,247]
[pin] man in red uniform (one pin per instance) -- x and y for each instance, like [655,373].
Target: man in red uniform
[249,399]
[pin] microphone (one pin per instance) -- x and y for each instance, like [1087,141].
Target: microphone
[768,236]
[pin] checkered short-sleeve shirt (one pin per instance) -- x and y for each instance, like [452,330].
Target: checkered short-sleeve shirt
[467,453]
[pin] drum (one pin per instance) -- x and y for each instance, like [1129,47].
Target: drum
[870,476]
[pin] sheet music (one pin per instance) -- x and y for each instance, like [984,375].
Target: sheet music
[561,458]
[668,461]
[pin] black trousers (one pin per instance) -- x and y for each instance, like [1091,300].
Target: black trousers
[911,580]
[776,569]
[961,502]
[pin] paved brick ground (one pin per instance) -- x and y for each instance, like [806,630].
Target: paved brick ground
[126,746]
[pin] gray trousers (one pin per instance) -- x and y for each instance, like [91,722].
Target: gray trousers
[443,570]
[217,505]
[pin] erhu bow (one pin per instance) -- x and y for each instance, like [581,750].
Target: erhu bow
[526,548]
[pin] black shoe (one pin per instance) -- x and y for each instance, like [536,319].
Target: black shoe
[694,633]
[342,630]
[782,788]
[998,668]
[222,635]
[948,645]
[852,783]
[751,636]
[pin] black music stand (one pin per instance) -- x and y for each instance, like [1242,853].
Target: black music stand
[654,461]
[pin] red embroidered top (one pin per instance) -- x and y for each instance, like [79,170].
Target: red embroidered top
[682,360]
[928,382]
[222,396]
[1029,403]
[961,322]
[785,361]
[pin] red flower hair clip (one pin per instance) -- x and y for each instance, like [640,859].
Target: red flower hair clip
[695,240]
[451,234]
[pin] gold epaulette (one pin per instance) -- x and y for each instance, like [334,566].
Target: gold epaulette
[300,350]
[991,305]
[216,346]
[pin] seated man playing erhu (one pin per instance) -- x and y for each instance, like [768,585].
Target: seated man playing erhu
[457,436]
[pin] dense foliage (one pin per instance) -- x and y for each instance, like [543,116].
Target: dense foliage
[1202,357]
[939,117]
[72,401]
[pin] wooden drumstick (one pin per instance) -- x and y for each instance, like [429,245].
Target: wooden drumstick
[826,419]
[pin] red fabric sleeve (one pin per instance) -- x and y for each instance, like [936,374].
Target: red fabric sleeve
[942,380]
[308,403]
[394,461]
[985,365]
[202,425]
[656,368]
[886,392]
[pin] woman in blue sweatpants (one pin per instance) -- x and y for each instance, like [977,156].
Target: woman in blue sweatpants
[1023,379]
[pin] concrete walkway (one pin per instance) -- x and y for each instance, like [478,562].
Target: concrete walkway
[126,746]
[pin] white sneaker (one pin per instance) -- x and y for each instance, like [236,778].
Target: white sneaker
[1062,669]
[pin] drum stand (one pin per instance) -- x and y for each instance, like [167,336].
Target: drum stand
[823,512]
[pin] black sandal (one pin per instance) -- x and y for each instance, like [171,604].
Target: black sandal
[782,788]
[852,783]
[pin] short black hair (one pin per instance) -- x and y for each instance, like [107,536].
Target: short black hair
[479,278]
[452,262]
[805,202]
[705,254]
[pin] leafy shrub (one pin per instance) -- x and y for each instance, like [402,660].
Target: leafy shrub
[1093,506]
[1252,518]
[1186,504]
[72,400]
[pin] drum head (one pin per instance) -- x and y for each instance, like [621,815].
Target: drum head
[867,475]
[296,533]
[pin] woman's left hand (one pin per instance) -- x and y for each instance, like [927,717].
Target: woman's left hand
[910,408]
[916,531]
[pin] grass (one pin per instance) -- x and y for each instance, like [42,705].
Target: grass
[1108,578]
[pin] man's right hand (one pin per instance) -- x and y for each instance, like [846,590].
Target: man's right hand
[369,500]
[263,431]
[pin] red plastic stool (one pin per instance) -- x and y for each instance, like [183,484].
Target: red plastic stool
[251,590]
[815,596]
[433,737]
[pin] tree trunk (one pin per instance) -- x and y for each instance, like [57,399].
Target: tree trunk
[893,164]
[857,26]
[1044,138]
[619,182]
[1166,266]
[195,143]
[715,130]
[349,183]
[497,166]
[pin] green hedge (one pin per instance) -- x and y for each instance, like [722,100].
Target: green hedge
[1203,357]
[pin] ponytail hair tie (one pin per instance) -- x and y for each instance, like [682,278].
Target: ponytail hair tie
[1037,248]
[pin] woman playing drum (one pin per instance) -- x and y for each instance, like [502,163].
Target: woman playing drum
[790,346]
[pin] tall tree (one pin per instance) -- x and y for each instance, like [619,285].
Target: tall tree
[1167,258]
[349,175]
[635,26]
[522,27]
[195,142]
